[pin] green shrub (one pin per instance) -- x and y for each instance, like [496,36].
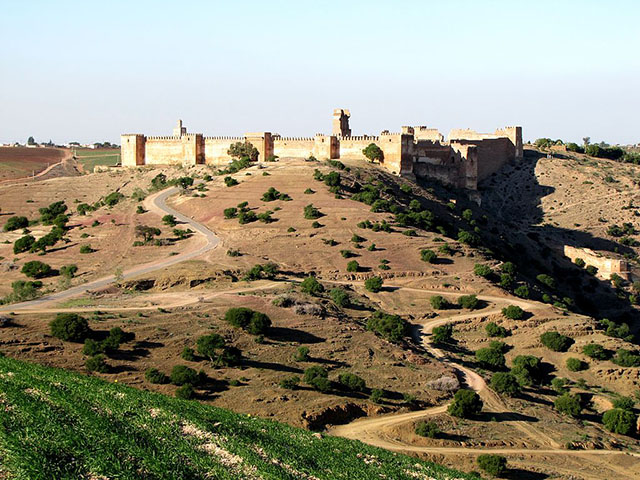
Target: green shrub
[438,302]
[625,403]
[547,280]
[568,404]
[50,213]
[23,244]
[210,346]
[428,256]
[373,152]
[36,269]
[290,383]
[626,358]
[339,297]
[576,365]
[186,392]
[595,351]
[591,270]
[373,284]
[352,382]
[470,302]
[495,330]
[253,322]
[528,370]
[392,327]
[427,429]
[68,271]
[555,341]
[522,291]
[465,404]
[316,377]
[491,358]
[231,212]
[311,286]
[97,363]
[580,262]
[483,271]
[302,354]
[153,375]
[113,198]
[92,347]
[230,181]
[505,383]
[376,395]
[182,375]
[559,385]
[16,223]
[494,465]
[442,334]
[311,212]
[513,312]
[353,266]
[346,253]
[619,421]
[70,327]
[86,249]
[188,354]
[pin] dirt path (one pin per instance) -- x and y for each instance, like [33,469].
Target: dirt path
[157,204]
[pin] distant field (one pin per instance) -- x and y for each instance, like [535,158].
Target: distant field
[17,162]
[62,425]
[89,158]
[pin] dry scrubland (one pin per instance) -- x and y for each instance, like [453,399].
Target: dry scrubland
[169,309]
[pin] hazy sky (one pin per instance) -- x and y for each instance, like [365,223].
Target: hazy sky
[90,70]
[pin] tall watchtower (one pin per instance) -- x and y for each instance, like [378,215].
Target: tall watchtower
[179,130]
[341,123]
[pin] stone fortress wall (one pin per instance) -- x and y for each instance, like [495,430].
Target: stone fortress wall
[466,158]
[606,265]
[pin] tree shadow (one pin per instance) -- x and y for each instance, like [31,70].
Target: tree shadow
[520,474]
[505,417]
[327,361]
[278,367]
[284,334]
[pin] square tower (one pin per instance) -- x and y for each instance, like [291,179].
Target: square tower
[341,123]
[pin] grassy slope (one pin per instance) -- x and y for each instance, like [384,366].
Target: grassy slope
[89,158]
[57,424]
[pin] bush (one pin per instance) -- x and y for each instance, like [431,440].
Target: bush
[494,465]
[442,334]
[50,213]
[182,375]
[559,385]
[253,322]
[428,256]
[596,351]
[495,330]
[505,383]
[568,404]
[353,266]
[340,297]
[210,346]
[580,262]
[23,244]
[316,377]
[290,383]
[547,280]
[619,421]
[576,365]
[373,153]
[230,181]
[427,429]
[68,271]
[311,286]
[70,327]
[169,220]
[311,212]
[153,375]
[16,223]
[302,354]
[186,392]
[513,312]
[231,212]
[483,271]
[36,269]
[113,198]
[626,358]
[438,302]
[373,284]
[625,403]
[470,302]
[391,327]
[352,382]
[466,403]
[92,347]
[522,291]
[528,370]
[376,395]
[555,341]
[97,363]
[86,249]
[491,358]
[243,150]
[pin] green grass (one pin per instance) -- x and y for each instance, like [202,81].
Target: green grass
[64,425]
[90,158]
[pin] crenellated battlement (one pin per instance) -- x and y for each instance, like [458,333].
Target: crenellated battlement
[294,139]
[237,139]
[359,138]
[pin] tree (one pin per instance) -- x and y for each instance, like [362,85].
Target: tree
[495,330]
[146,233]
[36,269]
[428,256]
[182,375]
[352,382]
[243,149]
[373,284]
[438,302]
[68,271]
[48,214]
[466,403]
[311,212]
[70,327]
[442,334]
[97,363]
[353,266]
[625,403]
[23,244]
[317,377]
[15,223]
[576,365]
[568,404]
[586,141]
[169,220]
[528,370]
[619,421]
[491,358]
[468,301]
[373,153]
[555,341]
[513,312]
[31,141]
[153,375]
[253,322]
[210,346]
[339,297]
[596,351]
[392,327]
[483,271]
[311,286]
[505,383]
[427,429]
[494,465]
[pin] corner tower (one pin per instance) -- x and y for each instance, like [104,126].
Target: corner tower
[341,123]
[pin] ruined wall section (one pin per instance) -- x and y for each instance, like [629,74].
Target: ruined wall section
[456,166]
[493,154]
[132,150]
[606,265]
